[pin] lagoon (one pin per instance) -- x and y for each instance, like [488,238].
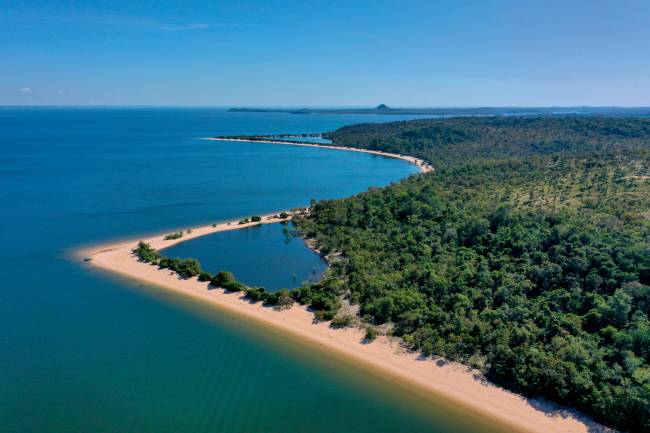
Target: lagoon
[266,255]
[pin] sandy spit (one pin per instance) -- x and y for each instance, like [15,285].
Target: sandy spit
[453,382]
[420,164]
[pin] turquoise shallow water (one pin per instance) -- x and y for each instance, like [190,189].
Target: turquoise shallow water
[83,351]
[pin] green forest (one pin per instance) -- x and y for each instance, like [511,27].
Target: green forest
[525,254]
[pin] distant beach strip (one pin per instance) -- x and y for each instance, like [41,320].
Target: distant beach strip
[447,381]
[423,166]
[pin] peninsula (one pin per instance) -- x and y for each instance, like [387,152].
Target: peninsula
[422,165]
[451,381]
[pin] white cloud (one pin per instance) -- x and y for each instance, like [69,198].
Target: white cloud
[165,26]
[184,27]
[26,90]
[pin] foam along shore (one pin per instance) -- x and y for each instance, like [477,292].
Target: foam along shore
[422,165]
[455,383]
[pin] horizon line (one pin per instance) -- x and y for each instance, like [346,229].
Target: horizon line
[312,106]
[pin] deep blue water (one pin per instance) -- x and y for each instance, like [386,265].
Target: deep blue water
[262,255]
[83,351]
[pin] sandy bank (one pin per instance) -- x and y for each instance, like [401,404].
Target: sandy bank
[452,382]
[419,163]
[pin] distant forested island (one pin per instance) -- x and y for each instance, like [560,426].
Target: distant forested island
[526,254]
[459,111]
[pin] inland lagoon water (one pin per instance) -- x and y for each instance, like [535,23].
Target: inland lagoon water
[266,255]
[84,351]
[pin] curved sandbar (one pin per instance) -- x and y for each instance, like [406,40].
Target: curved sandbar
[423,166]
[453,382]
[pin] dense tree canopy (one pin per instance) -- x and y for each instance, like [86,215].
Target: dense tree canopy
[525,254]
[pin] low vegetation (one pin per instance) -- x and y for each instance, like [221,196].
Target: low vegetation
[371,334]
[342,321]
[282,299]
[185,268]
[205,276]
[172,236]
[227,281]
[188,268]
[253,219]
[146,253]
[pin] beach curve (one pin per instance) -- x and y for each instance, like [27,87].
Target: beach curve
[453,382]
[422,165]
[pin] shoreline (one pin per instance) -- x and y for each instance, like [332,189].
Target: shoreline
[422,165]
[447,381]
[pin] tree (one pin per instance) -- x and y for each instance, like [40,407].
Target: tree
[222,278]
[371,334]
[525,254]
[281,299]
[146,253]
[342,321]
[172,236]
[205,276]
[188,268]
[256,294]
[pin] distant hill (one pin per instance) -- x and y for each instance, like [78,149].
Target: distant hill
[459,111]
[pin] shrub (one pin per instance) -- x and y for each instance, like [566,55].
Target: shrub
[234,286]
[222,278]
[343,321]
[283,299]
[187,268]
[256,218]
[257,294]
[166,262]
[284,215]
[205,276]
[324,315]
[371,334]
[171,236]
[146,253]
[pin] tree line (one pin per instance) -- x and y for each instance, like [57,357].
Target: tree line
[526,254]
[191,268]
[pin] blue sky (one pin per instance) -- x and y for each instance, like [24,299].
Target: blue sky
[340,53]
